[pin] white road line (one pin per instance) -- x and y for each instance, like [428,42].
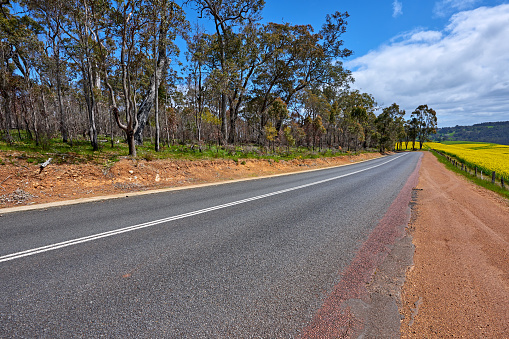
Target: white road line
[67,243]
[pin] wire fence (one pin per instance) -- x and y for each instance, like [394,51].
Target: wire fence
[476,171]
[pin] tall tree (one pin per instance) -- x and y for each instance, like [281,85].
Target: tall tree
[167,19]
[123,56]
[227,15]
[50,14]
[19,48]
[303,59]
[84,19]
[412,127]
[389,124]
[197,57]
[427,119]
[357,119]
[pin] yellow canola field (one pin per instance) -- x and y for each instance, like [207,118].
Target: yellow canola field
[487,157]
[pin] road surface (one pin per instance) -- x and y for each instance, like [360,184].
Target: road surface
[249,259]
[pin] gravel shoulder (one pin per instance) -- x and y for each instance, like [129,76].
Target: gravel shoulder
[459,283]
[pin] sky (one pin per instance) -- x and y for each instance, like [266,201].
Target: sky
[452,55]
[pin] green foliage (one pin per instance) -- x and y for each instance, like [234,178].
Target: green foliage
[318,126]
[211,118]
[426,121]
[278,110]
[390,127]
[494,132]
[290,140]
[81,152]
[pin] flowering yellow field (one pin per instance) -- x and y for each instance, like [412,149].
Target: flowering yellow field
[487,157]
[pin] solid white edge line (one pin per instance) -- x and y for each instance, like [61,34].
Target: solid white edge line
[77,241]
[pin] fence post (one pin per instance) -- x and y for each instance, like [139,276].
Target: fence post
[493,177]
[502,182]
[476,171]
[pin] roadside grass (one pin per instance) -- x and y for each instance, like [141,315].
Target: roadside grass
[471,177]
[80,151]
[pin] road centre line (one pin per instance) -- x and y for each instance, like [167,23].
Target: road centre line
[77,241]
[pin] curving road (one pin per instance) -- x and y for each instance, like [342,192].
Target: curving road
[241,260]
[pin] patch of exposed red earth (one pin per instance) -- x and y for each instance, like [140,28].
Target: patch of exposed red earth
[22,183]
[459,284]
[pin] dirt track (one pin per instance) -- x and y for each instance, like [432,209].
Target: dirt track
[459,284]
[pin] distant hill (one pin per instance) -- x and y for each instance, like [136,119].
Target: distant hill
[495,132]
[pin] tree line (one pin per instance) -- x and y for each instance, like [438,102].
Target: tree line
[492,132]
[110,69]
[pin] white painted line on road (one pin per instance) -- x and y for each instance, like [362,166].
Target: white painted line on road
[67,243]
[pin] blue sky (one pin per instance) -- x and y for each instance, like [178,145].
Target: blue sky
[371,23]
[450,54]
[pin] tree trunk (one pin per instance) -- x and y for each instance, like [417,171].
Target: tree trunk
[7,109]
[91,106]
[63,123]
[233,122]
[34,118]
[224,123]
[156,112]
[131,143]
[149,99]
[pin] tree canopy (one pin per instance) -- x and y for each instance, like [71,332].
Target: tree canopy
[112,69]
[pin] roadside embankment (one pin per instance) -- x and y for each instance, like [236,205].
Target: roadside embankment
[23,183]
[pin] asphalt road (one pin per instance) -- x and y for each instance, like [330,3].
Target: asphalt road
[242,260]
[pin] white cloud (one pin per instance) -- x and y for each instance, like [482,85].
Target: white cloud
[462,72]
[397,7]
[417,35]
[445,7]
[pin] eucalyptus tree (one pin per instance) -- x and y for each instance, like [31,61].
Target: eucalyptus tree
[252,52]
[276,40]
[165,20]
[19,52]
[83,21]
[316,103]
[412,130]
[50,14]
[123,46]
[275,78]
[357,118]
[120,54]
[318,59]
[278,110]
[390,124]
[303,59]
[229,17]
[427,122]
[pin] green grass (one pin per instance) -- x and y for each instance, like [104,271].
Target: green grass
[81,151]
[478,181]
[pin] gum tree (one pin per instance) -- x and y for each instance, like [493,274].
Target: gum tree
[228,16]
[123,46]
[427,123]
